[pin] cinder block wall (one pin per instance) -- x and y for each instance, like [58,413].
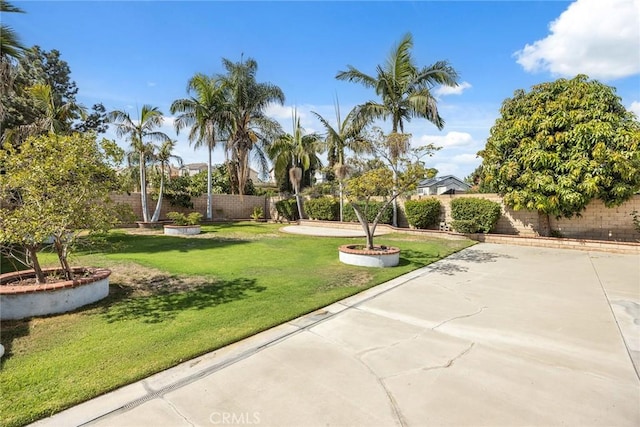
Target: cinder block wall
[596,222]
[225,206]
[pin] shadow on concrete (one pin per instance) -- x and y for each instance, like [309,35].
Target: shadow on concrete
[470,255]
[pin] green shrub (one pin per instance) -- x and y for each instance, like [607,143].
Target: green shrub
[349,215]
[323,208]
[422,213]
[288,209]
[471,213]
[181,219]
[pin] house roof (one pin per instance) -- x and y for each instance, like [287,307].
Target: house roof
[195,166]
[430,182]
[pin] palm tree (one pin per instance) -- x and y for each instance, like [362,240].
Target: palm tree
[404,89]
[141,134]
[297,153]
[53,118]
[10,46]
[203,112]
[348,135]
[250,130]
[163,156]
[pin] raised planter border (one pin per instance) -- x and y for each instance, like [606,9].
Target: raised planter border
[21,301]
[182,230]
[369,258]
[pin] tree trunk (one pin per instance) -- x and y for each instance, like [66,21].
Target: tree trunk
[362,219]
[209,195]
[143,188]
[544,223]
[341,201]
[62,257]
[33,254]
[156,213]
[395,198]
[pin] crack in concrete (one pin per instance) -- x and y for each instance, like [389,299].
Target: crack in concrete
[177,411]
[458,317]
[449,364]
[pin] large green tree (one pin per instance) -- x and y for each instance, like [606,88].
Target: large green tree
[249,129]
[56,186]
[142,133]
[204,113]
[562,144]
[405,90]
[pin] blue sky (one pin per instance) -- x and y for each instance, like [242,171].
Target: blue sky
[130,53]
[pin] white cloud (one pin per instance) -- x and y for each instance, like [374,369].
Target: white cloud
[635,107]
[594,37]
[451,139]
[448,90]
[467,159]
[151,84]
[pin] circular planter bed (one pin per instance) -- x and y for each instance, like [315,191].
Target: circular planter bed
[181,230]
[379,256]
[19,300]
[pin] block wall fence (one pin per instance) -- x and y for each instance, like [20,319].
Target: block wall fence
[597,222]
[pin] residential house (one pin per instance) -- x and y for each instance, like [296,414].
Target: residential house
[447,184]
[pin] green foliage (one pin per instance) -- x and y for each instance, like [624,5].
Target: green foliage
[422,213]
[181,219]
[56,186]
[370,210]
[288,209]
[474,215]
[562,144]
[258,212]
[635,217]
[322,208]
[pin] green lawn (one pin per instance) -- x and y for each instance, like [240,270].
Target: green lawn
[172,299]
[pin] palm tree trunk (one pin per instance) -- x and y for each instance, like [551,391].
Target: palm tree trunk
[395,198]
[156,213]
[341,201]
[209,190]
[143,188]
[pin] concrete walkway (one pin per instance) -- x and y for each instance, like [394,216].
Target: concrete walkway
[495,335]
[328,231]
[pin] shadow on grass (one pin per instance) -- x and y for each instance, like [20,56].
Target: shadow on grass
[11,330]
[160,243]
[165,305]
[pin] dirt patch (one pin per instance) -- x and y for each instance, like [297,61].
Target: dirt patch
[356,280]
[143,281]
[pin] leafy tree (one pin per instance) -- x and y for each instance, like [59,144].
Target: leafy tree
[404,89]
[96,121]
[409,170]
[202,112]
[250,131]
[349,135]
[562,144]
[296,153]
[56,186]
[141,134]
[37,68]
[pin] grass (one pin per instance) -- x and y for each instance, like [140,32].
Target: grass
[172,299]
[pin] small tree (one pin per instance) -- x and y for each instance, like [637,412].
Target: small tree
[562,144]
[408,171]
[55,187]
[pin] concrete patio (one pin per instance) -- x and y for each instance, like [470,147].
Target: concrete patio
[495,335]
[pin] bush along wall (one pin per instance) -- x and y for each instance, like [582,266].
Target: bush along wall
[323,208]
[474,215]
[349,214]
[288,209]
[423,213]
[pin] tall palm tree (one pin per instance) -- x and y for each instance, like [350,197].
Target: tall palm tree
[296,152]
[347,136]
[141,134]
[250,130]
[162,157]
[404,90]
[202,112]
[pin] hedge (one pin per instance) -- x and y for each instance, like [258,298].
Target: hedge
[474,215]
[349,215]
[288,209]
[422,213]
[323,208]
